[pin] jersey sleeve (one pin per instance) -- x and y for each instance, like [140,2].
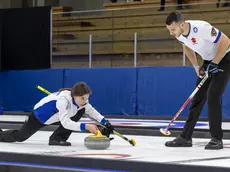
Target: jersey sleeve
[64,116]
[210,33]
[92,112]
[180,41]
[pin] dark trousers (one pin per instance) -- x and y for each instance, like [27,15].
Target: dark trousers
[179,2]
[32,125]
[62,134]
[211,91]
[227,4]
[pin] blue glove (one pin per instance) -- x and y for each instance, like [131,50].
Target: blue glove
[212,68]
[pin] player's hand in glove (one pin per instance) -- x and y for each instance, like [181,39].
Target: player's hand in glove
[108,130]
[203,69]
[212,68]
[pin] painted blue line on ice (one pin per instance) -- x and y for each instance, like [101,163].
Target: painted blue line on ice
[55,166]
[144,121]
[176,124]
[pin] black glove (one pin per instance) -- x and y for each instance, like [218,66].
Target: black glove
[203,68]
[108,130]
[212,69]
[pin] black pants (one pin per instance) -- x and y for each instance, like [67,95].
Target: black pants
[62,134]
[179,2]
[227,4]
[32,125]
[211,91]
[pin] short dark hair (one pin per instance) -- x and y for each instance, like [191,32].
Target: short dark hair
[174,17]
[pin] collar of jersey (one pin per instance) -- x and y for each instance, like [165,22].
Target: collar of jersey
[186,36]
[75,104]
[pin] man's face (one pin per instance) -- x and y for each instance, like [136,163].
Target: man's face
[175,29]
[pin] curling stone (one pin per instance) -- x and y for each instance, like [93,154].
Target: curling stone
[97,142]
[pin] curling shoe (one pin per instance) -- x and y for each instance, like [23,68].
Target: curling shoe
[179,142]
[59,143]
[214,144]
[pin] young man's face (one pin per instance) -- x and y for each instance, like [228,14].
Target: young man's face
[81,100]
[175,29]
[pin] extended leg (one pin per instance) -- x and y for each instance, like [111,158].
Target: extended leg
[31,126]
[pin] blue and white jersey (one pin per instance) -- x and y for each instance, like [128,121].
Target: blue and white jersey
[202,38]
[60,107]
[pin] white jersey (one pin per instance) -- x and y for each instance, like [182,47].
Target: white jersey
[202,39]
[60,107]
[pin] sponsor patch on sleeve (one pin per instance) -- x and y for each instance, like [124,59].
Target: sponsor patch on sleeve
[213,32]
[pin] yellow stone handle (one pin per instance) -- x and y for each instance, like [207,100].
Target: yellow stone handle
[99,133]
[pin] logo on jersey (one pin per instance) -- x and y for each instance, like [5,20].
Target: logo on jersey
[195,29]
[213,32]
[194,40]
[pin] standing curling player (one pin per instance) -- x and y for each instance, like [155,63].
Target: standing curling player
[213,46]
[67,107]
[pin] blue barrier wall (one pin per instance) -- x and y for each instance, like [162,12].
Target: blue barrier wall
[161,91]
[226,102]
[148,91]
[19,92]
[114,89]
